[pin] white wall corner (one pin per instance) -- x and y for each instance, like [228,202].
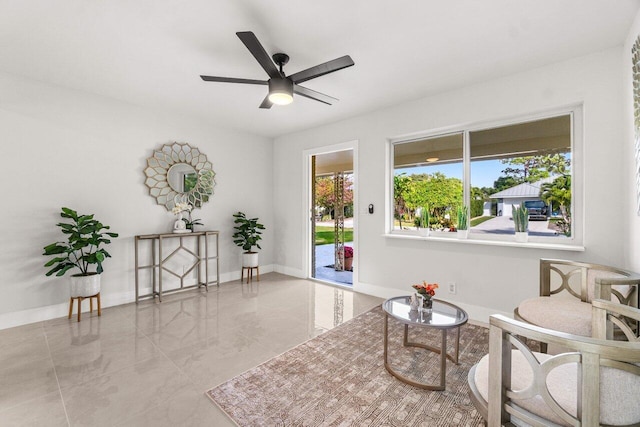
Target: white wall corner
[290,271]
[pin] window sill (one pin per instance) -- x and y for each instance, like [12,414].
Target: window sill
[475,240]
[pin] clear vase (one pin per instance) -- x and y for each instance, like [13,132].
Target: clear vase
[427,303]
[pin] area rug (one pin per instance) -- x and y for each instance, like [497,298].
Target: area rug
[339,379]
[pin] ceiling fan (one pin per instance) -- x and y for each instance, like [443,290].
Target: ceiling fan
[282,87]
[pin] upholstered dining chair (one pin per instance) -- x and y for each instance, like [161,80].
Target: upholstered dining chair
[567,289]
[595,382]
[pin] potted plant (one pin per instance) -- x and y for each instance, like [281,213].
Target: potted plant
[423,221]
[189,222]
[463,222]
[85,236]
[247,235]
[521,222]
[347,255]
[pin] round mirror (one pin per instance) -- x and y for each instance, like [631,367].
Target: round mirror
[178,173]
[182,177]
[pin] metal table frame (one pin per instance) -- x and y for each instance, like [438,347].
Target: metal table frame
[158,260]
[442,351]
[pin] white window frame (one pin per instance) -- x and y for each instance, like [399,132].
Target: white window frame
[573,243]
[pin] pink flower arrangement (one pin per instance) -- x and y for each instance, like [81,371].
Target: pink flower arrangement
[427,290]
[348,252]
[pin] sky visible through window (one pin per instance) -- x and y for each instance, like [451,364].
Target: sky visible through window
[483,172]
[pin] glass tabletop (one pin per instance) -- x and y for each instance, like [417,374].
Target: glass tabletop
[444,314]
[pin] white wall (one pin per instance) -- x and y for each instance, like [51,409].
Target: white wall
[631,218]
[489,278]
[73,149]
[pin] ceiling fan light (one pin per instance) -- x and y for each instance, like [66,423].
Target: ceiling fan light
[280,98]
[432,159]
[281,91]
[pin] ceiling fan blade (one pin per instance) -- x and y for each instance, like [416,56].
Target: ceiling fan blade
[312,94]
[322,69]
[251,42]
[266,103]
[233,80]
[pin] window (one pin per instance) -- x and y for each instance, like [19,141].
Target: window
[489,169]
[428,175]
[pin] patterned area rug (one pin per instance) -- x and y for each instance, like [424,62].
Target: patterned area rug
[339,379]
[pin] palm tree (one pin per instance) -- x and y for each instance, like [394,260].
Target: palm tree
[558,192]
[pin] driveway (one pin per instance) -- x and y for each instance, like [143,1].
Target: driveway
[504,225]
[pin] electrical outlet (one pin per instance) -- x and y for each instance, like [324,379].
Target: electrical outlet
[452,288]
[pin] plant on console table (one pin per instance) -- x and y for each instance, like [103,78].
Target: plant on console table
[246,235]
[189,222]
[180,210]
[82,250]
[427,291]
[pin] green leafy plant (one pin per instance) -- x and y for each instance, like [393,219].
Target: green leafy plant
[520,218]
[190,223]
[247,232]
[424,217]
[85,236]
[463,218]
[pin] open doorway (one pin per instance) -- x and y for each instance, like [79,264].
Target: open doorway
[332,208]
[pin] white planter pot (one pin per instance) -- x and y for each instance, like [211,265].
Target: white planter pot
[522,236]
[424,232]
[85,286]
[250,259]
[463,234]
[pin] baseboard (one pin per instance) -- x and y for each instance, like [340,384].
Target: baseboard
[40,314]
[295,272]
[8,320]
[477,314]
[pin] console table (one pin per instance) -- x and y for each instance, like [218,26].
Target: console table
[159,259]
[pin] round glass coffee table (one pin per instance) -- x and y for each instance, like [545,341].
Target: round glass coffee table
[443,316]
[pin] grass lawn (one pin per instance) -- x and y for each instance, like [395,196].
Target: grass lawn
[480,219]
[325,235]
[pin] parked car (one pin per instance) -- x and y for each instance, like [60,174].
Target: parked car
[538,210]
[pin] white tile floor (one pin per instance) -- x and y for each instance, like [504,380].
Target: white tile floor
[150,364]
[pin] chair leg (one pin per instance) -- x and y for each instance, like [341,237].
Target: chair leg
[70,307]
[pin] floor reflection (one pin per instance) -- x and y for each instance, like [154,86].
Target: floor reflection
[155,351]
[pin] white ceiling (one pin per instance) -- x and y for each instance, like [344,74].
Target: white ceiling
[151,52]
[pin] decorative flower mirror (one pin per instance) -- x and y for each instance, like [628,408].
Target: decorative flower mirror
[178,173]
